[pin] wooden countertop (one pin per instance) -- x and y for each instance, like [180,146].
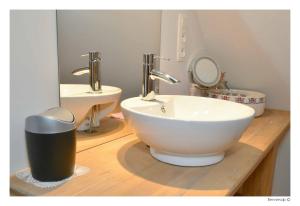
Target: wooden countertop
[110,129]
[124,166]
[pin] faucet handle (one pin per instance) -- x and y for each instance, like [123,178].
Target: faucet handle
[94,56]
[162,58]
[149,58]
[85,55]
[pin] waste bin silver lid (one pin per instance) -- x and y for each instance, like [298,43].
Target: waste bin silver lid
[54,120]
[59,113]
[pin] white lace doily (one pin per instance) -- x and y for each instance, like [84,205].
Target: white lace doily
[25,175]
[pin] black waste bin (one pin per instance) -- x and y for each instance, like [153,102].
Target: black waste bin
[51,144]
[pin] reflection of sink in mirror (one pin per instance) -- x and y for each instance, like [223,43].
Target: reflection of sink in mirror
[79,98]
[187,130]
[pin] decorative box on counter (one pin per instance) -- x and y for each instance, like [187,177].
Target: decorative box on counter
[254,99]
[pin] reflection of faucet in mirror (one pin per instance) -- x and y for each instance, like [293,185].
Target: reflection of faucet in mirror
[149,74]
[93,69]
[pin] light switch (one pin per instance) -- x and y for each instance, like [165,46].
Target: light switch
[181,38]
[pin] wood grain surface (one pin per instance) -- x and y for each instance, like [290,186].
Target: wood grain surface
[124,166]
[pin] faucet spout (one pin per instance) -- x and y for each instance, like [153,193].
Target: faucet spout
[154,74]
[81,71]
[150,74]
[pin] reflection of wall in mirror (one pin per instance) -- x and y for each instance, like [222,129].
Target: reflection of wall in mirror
[121,36]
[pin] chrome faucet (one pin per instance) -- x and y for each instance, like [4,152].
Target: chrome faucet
[93,69]
[150,74]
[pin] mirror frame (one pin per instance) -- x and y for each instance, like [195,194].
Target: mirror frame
[196,79]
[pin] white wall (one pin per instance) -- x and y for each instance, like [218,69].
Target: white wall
[252,47]
[168,47]
[121,36]
[33,74]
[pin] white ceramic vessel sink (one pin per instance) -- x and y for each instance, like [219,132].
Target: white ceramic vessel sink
[187,130]
[79,98]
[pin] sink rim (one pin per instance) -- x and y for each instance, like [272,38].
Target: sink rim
[112,91]
[250,113]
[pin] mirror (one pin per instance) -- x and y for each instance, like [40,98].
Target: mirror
[121,37]
[205,71]
[116,40]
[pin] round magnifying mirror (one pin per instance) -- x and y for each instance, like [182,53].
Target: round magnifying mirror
[205,71]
